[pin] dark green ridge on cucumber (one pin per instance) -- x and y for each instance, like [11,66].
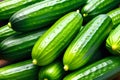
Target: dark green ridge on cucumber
[9,7]
[53,71]
[57,38]
[19,46]
[96,7]
[19,71]
[42,14]
[113,41]
[115,16]
[82,48]
[103,69]
[5,32]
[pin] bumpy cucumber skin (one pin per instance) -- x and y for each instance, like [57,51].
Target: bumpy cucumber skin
[100,70]
[9,7]
[56,39]
[42,14]
[113,41]
[115,16]
[19,71]
[52,71]
[19,46]
[96,7]
[5,32]
[86,42]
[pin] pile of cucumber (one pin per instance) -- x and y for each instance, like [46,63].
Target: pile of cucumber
[59,39]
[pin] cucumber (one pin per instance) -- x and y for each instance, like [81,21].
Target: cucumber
[5,32]
[9,7]
[19,46]
[87,42]
[115,16]
[113,41]
[56,39]
[96,7]
[53,71]
[42,14]
[101,70]
[19,71]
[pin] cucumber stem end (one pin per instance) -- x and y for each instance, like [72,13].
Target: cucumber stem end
[66,67]
[45,78]
[9,24]
[34,61]
[114,47]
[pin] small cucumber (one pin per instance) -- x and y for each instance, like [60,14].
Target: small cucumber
[115,16]
[9,7]
[87,42]
[96,7]
[5,32]
[19,46]
[113,41]
[53,71]
[19,71]
[42,14]
[103,69]
[57,38]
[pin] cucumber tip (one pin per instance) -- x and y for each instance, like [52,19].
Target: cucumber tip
[45,78]
[66,67]
[114,47]
[84,15]
[9,24]
[78,11]
[34,61]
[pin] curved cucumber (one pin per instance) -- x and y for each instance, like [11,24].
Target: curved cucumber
[113,41]
[20,71]
[115,16]
[56,39]
[100,70]
[9,7]
[52,71]
[42,14]
[5,32]
[19,46]
[87,42]
[96,7]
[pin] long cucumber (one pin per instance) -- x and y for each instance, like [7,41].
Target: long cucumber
[87,42]
[42,14]
[56,39]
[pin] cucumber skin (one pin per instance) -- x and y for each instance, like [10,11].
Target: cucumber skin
[5,32]
[22,70]
[108,66]
[19,46]
[115,16]
[42,14]
[53,71]
[82,48]
[96,7]
[113,41]
[9,7]
[56,39]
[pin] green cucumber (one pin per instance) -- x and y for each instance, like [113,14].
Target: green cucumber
[87,42]
[5,32]
[19,71]
[101,70]
[53,71]
[19,46]
[115,16]
[113,41]
[42,14]
[9,7]
[56,39]
[96,7]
